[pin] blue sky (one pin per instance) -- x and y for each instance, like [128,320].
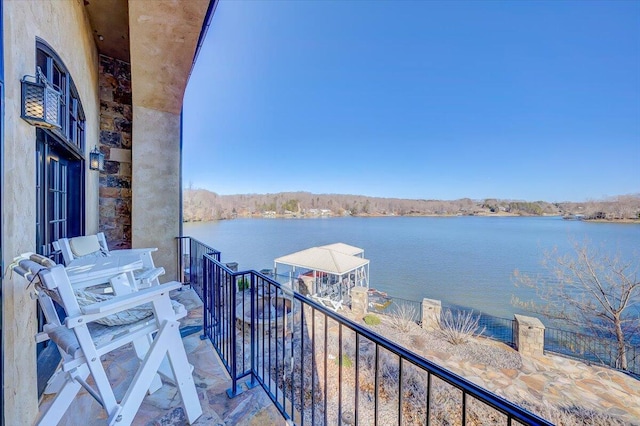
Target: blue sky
[531,100]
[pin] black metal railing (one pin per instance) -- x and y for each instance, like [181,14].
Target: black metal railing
[190,261]
[591,349]
[321,368]
[496,328]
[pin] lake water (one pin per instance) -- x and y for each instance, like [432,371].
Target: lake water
[466,261]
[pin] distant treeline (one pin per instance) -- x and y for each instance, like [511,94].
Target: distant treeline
[203,205]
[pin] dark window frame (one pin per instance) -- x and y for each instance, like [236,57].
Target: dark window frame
[72,117]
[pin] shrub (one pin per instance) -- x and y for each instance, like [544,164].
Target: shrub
[371,319]
[404,317]
[243,283]
[346,361]
[459,328]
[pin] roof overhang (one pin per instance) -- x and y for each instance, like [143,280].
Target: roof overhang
[109,20]
[159,38]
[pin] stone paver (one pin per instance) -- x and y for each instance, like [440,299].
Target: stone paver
[561,382]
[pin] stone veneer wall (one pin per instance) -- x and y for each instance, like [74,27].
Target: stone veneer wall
[116,115]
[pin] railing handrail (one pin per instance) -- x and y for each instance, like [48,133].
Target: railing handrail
[184,237]
[465,385]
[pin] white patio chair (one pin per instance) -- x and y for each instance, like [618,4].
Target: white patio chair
[96,245]
[81,343]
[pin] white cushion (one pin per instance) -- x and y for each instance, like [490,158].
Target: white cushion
[129,316]
[82,246]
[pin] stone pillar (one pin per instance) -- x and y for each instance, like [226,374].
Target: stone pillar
[306,285]
[529,335]
[359,301]
[431,311]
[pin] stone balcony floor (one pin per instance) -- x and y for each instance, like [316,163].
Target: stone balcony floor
[252,407]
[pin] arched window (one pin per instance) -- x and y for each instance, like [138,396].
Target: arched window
[59,179]
[71,112]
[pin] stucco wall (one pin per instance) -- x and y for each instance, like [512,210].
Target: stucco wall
[65,27]
[156,184]
[163,43]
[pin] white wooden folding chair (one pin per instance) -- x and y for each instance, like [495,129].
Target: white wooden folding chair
[96,245]
[81,343]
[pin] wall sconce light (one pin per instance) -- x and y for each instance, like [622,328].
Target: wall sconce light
[96,160]
[40,101]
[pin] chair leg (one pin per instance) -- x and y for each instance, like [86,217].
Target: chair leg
[166,341]
[63,398]
[97,370]
[141,347]
[166,373]
[184,378]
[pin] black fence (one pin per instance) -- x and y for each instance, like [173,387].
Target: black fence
[496,328]
[579,346]
[592,349]
[319,367]
[500,329]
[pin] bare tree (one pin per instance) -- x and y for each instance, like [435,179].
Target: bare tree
[591,290]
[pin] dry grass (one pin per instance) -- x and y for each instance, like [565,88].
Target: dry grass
[404,317]
[459,328]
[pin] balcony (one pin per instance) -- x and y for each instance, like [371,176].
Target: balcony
[265,355]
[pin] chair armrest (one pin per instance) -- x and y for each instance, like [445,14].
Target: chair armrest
[121,303]
[146,276]
[129,252]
